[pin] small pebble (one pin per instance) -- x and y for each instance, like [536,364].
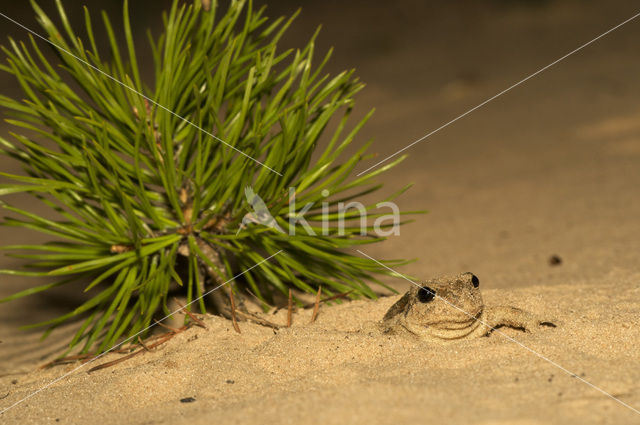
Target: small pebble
[187,400]
[555,260]
[230,381]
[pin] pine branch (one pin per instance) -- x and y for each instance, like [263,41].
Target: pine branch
[147,200]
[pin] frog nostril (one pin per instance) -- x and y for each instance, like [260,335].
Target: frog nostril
[426,294]
[475,280]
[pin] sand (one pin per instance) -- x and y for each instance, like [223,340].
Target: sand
[550,168]
[329,371]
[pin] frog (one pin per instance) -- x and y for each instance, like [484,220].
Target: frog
[449,308]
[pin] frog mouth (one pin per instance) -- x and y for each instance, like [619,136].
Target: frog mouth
[453,326]
[466,321]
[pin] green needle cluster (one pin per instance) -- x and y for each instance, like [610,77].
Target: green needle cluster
[147,179]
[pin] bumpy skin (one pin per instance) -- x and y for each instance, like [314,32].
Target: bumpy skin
[450,308]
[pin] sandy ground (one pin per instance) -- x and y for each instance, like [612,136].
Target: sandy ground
[552,167]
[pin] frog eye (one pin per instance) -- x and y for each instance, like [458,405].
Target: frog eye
[426,294]
[475,280]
